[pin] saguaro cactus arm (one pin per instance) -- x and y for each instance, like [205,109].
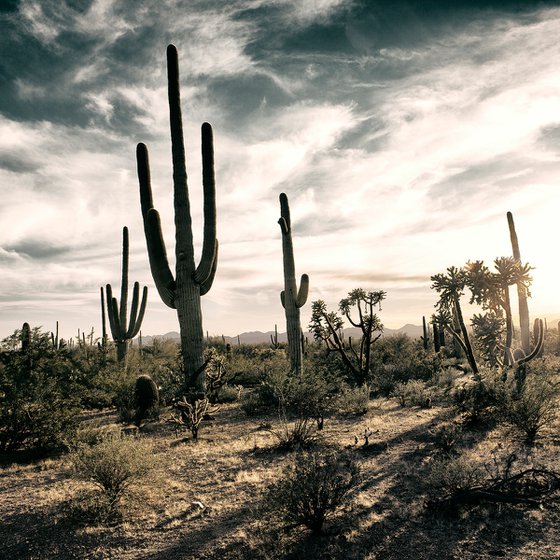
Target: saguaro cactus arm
[157,254]
[182,290]
[137,316]
[210,243]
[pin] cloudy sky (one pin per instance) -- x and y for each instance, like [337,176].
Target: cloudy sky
[401,131]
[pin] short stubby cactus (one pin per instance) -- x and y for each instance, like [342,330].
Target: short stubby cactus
[182,291]
[292,298]
[146,398]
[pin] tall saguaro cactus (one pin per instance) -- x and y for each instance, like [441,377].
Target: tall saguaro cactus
[521,291]
[122,333]
[182,291]
[292,298]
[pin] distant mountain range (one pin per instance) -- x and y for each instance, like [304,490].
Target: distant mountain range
[258,337]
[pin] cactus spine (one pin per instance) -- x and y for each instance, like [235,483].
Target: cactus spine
[521,291]
[292,298]
[183,291]
[118,314]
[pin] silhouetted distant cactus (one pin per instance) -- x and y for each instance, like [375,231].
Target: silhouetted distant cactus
[122,333]
[182,291]
[274,339]
[522,291]
[146,398]
[25,337]
[103,323]
[425,337]
[292,298]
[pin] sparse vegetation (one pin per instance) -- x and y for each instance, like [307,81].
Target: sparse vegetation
[426,421]
[312,488]
[113,464]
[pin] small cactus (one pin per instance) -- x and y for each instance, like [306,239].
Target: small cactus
[146,398]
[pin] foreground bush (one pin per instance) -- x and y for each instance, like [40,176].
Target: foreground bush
[533,406]
[113,464]
[313,487]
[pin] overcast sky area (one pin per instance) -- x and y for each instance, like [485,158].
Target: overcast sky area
[401,131]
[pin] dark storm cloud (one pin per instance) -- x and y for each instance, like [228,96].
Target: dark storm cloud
[37,250]
[17,163]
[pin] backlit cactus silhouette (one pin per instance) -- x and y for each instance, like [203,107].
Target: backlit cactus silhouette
[292,298]
[522,291]
[182,291]
[122,333]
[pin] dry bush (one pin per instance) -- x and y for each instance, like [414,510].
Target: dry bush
[113,464]
[353,400]
[412,393]
[533,407]
[312,488]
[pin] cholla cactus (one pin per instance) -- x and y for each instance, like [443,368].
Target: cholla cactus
[192,413]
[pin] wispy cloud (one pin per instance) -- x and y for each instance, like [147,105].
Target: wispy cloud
[401,138]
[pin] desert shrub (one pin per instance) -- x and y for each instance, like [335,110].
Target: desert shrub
[306,396]
[113,464]
[294,433]
[39,396]
[476,398]
[252,405]
[530,408]
[452,476]
[169,379]
[444,378]
[102,383]
[353,400]
[228,393]
[312,488]
[446,438]
[412,393]
[125,402]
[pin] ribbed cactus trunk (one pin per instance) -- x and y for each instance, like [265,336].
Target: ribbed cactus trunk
[183,291]
[292,298]
[524,323]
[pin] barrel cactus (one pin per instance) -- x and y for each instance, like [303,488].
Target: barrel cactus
[146,398]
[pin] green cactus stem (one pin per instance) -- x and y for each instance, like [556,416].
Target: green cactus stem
[121,332]
[521,291]
[292,298]
[182,291]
